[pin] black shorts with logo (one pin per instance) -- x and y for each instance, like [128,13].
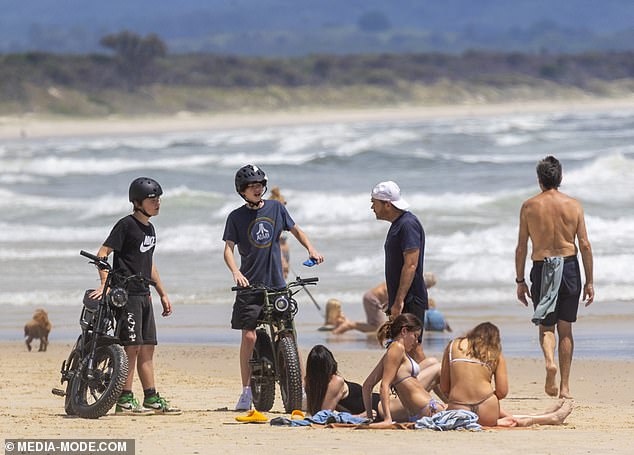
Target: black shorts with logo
[568,295]
[139,316]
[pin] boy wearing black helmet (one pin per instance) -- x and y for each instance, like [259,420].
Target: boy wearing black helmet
[133,239]
[255,228]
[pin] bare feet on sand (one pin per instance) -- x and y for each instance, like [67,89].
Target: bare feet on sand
[564,411]
[558,404]
[565,393]
[550,386]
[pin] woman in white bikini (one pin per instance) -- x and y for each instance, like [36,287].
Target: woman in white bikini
[399,372]
[474,377]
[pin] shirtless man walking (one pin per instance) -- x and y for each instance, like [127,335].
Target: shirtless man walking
[553,221]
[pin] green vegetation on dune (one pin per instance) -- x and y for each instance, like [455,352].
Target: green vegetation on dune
[97,85]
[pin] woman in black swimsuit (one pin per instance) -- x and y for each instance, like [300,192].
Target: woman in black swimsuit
[327,389]
[474,377]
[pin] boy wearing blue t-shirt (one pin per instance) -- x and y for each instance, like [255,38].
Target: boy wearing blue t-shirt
[255,228]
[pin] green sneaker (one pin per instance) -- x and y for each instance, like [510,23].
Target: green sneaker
[128,405]
[160,405]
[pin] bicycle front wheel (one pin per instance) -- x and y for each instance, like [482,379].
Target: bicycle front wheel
[94,397]
[290,375]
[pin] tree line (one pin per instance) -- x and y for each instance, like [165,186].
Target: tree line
[134,61]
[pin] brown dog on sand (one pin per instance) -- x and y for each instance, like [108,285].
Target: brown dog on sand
[38,327]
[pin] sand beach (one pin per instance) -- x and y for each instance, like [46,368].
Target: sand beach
[203,381]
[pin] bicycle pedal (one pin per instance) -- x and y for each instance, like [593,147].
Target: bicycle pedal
[58,392]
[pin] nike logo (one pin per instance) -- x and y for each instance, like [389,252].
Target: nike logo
[148,243]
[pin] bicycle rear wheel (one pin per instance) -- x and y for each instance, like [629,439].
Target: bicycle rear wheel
[72,367]
[289,372]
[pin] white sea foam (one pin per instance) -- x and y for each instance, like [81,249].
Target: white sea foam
[606,180]
[509,140]
[28,254]
[22,233]
[202,239]
[362,265]
[493,125]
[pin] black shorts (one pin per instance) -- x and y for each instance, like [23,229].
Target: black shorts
[568,295]
[247,310]
[139,316]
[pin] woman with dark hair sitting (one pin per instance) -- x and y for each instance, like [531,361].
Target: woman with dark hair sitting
[327,389]
[397,371]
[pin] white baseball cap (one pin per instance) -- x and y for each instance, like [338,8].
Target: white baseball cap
[389,191]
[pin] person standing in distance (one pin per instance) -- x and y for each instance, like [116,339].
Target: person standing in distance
[553,221]
[133,239]
[404,254]
[255,227]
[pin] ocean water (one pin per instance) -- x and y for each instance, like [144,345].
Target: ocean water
[465,179]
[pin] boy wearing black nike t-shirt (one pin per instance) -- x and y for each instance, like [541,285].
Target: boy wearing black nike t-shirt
[132,240]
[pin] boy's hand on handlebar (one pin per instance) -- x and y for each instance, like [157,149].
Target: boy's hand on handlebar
[167,306]
[97,293]
[240,279]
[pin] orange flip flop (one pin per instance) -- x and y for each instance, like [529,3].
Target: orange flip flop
[297,415]
[253,416]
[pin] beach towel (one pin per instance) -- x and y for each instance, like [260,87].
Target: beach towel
[455,419]
[552,271]
[323,417]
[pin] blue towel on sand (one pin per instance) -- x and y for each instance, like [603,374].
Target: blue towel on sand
[323,417]
[456,419]
[552,271]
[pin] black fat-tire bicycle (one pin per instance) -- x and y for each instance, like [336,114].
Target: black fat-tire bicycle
[97,366]
[275,357]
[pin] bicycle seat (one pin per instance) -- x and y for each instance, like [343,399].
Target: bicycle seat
[89,302]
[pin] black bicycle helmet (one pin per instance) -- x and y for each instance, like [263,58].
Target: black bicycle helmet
[143,188]
[249,174]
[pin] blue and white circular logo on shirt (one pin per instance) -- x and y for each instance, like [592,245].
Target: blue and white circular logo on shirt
[261,232]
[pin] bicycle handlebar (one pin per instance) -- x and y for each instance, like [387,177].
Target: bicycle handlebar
[298,282]
[102,263]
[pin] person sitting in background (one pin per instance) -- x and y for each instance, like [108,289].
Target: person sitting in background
[434,319]
[474,377]
[334,315]
[374,304]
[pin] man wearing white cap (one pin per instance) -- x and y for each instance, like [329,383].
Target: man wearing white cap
[404,253]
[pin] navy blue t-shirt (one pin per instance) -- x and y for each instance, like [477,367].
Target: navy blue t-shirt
[406,233]
[133,245]
[257,235]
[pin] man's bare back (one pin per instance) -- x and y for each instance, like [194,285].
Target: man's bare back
[552,221]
